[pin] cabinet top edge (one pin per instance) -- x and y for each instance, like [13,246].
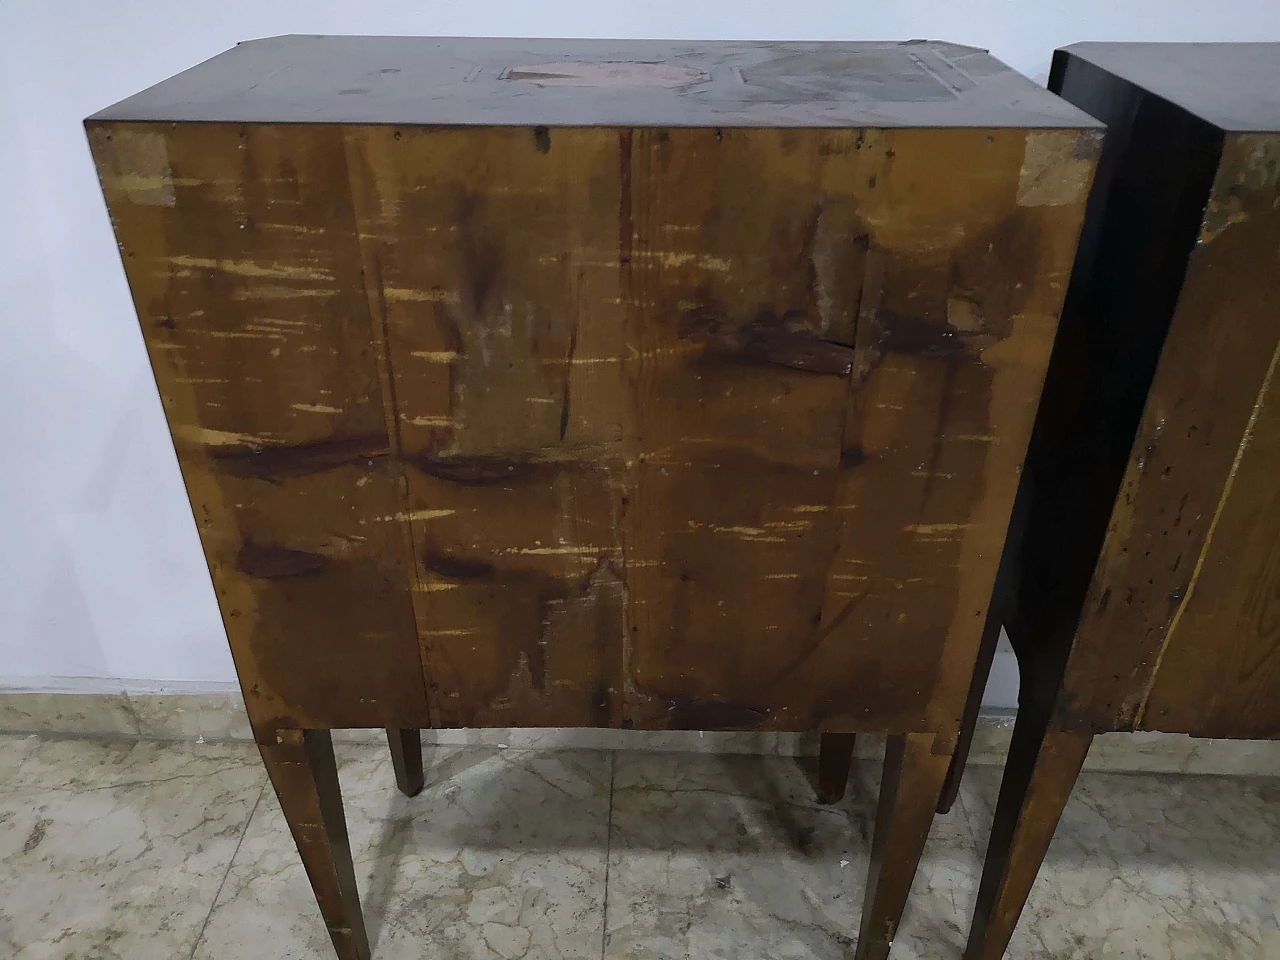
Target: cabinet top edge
[490,82]
[1232,86]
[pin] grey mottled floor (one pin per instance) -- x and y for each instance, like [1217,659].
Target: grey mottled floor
[140,850]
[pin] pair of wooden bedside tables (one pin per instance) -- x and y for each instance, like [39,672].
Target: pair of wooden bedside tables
[667,385]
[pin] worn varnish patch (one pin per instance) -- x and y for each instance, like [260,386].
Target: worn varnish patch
[1057,167]
[135,166]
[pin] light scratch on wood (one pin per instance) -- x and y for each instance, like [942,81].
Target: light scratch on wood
[436,356]
[314,408]
[427,421]
[404,294]
[247,268]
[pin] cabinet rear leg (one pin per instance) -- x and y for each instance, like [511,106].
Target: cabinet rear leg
[835,756]
[406,758]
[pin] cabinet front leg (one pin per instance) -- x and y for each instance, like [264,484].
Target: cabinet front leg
[909,790]
[1041,770]
[305,777]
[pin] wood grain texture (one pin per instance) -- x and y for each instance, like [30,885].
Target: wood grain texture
[1183,581]
[241,251]
[689,428]
[1229,614]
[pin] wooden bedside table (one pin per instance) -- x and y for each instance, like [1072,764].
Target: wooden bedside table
[1140,586]
[648,385]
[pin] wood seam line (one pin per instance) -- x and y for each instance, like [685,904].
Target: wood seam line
[1208,537]
[376,300]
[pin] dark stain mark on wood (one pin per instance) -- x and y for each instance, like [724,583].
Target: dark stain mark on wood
[768,339]
[852,457]
[564,400]
[457,568]
[542,139]
[688,713]
[270,562]
[270,463]
[625,227]
[479,471]
[480,257]
[1104,602]
[902,333]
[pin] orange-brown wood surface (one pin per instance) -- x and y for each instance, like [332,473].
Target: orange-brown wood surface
[245,267]
[1208,543]
[656,428]
[1178,631]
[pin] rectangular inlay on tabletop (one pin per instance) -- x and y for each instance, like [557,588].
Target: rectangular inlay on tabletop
[600,383]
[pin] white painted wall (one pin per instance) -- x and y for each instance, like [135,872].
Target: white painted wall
[101,573]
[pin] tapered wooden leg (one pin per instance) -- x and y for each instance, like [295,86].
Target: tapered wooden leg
[835,755]
[909,790]
[1042,768]
[406,758]
[305,778]
[972,707]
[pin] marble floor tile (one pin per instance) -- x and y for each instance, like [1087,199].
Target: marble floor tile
[114,850]
[14,750]
[118,850]
[1153,868]
[732,857]
[501,856]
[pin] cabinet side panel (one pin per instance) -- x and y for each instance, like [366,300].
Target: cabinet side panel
[1154,177]
[1214,360]
[1217,671]
[240,248]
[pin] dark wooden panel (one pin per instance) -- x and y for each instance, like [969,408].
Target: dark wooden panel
[241,252]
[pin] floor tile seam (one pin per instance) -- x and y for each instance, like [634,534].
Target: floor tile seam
[213,904]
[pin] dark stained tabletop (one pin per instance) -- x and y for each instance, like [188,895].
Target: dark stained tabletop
[507,82]
[1234,86]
